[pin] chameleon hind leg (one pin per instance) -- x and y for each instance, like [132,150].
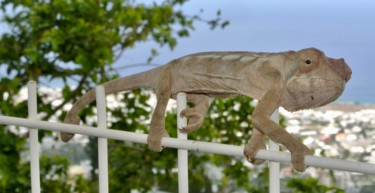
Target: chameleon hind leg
[157,124]
[197,113]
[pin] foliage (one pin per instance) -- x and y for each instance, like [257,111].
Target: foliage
[10,161]
[310,185]
[367,189]
[75,43]
[55,179]
[15,175]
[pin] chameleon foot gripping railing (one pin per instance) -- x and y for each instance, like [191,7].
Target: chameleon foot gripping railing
[181,143]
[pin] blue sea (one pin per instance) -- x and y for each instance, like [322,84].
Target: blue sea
[361,94]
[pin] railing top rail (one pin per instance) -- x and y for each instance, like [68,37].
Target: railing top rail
[231,150]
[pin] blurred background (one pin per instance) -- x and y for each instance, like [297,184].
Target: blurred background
[68,47]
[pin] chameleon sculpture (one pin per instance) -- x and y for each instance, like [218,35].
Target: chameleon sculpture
[294,80]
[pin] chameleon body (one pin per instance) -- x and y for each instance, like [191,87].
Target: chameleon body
[294,80]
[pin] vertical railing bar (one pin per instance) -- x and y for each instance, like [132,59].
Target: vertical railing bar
[274,176]
[183,174]
[33,137]
[102,142]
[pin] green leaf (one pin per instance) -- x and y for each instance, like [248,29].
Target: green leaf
[225,24]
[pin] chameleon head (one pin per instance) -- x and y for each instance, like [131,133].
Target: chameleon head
[316,81]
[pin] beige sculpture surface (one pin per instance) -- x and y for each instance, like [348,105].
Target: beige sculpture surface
[294,80]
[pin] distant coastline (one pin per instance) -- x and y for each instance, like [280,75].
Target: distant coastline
[358,94]
[345,106]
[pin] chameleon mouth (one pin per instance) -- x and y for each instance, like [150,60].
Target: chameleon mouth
[348,73]
[314,84]
[339,67]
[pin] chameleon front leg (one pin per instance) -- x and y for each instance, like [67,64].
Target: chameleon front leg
[264,124]
[197,113]
[255,144]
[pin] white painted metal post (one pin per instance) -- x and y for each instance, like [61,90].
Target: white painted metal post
[274,180]
[102,142]
[183,176]
[33,137]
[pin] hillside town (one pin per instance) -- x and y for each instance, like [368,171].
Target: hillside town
[343,131]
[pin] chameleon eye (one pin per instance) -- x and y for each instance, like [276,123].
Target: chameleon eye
[308,61]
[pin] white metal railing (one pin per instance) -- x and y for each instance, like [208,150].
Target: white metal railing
[182,162]
[181,143]
[102,142]
[33,138]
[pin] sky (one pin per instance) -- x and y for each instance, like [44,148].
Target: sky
[340,28]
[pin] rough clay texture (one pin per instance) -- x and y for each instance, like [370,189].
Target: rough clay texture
[294,80]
